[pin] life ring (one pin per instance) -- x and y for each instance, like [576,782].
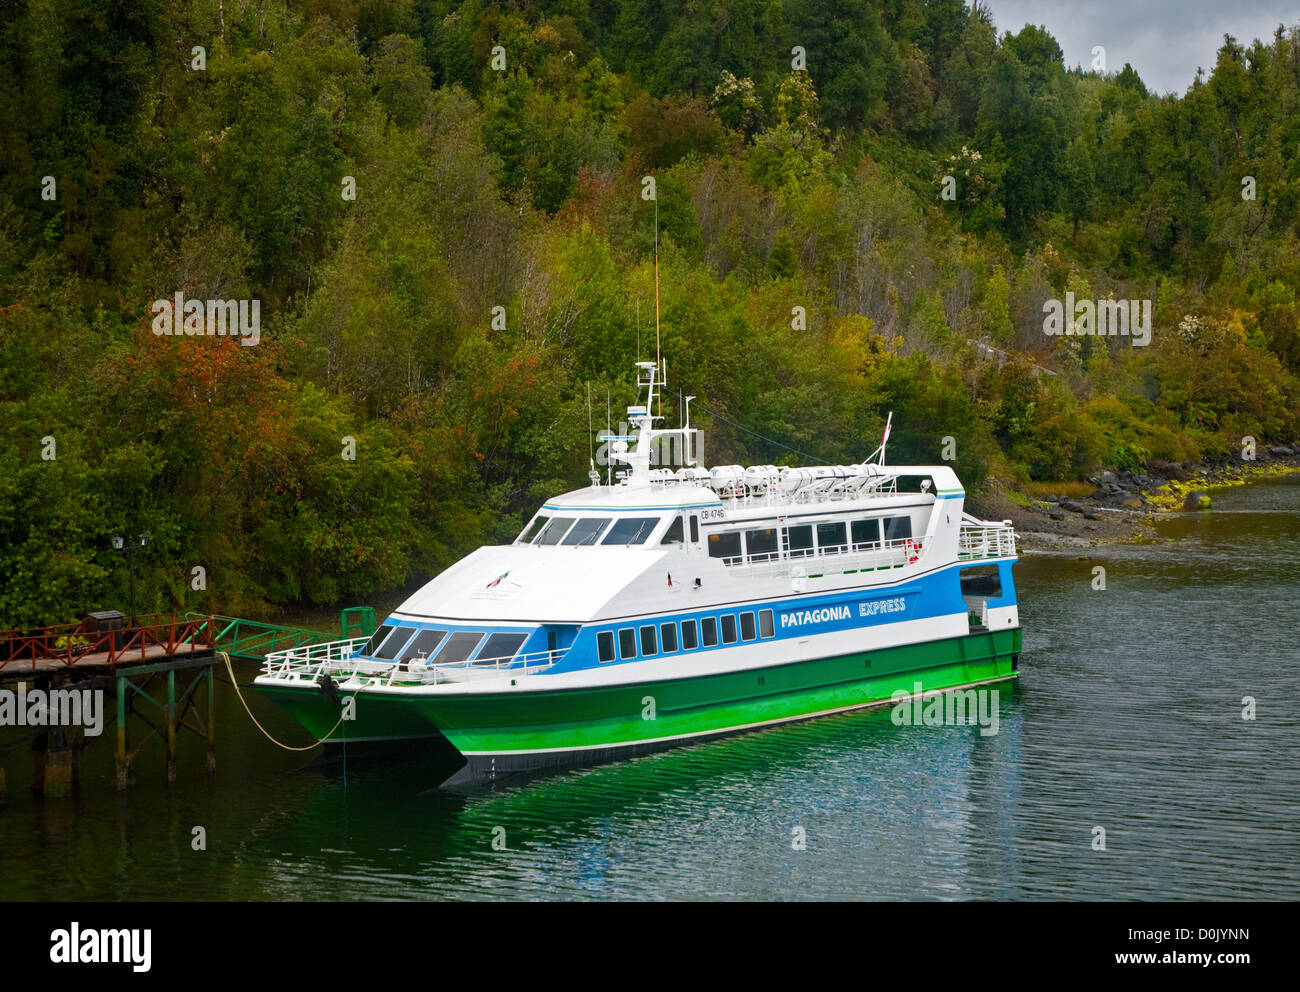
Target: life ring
[912,550]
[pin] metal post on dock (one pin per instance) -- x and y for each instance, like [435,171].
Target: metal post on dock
[170,716]
[211,674]
[119,754]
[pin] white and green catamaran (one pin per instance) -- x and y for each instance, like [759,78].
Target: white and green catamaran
[663,607]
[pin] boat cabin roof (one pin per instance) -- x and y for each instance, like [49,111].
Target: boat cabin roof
[627,498]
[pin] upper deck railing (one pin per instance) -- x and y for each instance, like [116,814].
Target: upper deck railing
[981,540]
[850,558]
[975,541]
[768,485]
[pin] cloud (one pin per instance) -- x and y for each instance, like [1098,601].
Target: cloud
[1164,42]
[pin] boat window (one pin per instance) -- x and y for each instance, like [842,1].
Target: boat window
[586,530]
[668,636]
[747,632]
[725,545]
[897,528]
[501,646]
[690,639]
[459,647]
[982,580]
[630,530]
[533,529]
[695,529]
[605,645]
[709,628]
[761,544]
[831,538]
[728,628]
[798,541]
[555,530]
[394,643]
[627,643]
[866,534]
[426,642]
[377,639]
[675,533]
[765,628]
[648,641]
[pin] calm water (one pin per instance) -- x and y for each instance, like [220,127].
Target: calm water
[1128,717]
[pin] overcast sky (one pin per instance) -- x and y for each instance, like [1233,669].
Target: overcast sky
[1164,41]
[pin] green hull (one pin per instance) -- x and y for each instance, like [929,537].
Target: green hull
[530,730]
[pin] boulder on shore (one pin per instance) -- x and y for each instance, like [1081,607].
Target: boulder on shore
[1196,500]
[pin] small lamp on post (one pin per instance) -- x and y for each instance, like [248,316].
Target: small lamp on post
[121,543]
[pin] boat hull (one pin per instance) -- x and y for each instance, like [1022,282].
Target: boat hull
[503,735]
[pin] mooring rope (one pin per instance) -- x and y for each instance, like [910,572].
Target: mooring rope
[225,656]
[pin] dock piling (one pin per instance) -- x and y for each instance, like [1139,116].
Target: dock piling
[120,758]
[170,716]
[211,725]
[58,770]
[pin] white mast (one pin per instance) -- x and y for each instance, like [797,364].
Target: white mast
[884,439]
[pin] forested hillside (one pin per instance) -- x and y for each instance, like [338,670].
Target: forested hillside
[382,175]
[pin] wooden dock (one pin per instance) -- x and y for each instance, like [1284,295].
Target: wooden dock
[128,661]
[97,662]
[141,663]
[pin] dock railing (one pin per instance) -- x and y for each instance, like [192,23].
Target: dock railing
[73,643]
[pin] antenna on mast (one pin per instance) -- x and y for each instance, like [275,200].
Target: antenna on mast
[658,356]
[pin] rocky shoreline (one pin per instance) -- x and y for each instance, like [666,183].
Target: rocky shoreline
[1123,507]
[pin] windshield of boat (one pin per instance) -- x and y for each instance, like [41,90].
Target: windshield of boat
[631,530]
[556,529]
[588,531]
[533,529]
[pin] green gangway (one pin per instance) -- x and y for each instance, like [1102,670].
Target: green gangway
[253,640]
